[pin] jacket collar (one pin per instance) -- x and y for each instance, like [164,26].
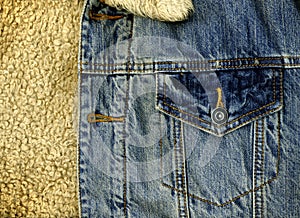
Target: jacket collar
[163,10]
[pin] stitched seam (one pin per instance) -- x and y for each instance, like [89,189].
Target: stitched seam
[125,153]
[274,86]
[227,202]
[200,127]
[255,164]
[170,186]
[200,62]
[238,118]
[204,121]
[185,69]
[259,162]
[279,144]
[246,192]
[260,58]
[195,62]
[255,65]
[183,168]
[254,138]
[251,112]
[228,130]
[262,167]
[182,191]
[160,130]
[79,133]
[164,87]
[161,144]
[246,59]
[184,112]
[161,150]
[261,185]
[180,161]
[176,165]
[244,115]
[281,86]
[255,188]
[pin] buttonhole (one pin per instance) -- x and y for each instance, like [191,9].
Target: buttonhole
[95,16]
[99,118]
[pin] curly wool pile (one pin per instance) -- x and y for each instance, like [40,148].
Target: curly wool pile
[38,79]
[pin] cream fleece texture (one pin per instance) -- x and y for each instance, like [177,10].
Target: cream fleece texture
[164,10]
[38,79]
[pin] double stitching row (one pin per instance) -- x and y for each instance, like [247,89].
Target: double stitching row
[228,130]
[176,164]
[190,69]
[259,165]
[218,66]
[246,192]
[198,62]
[178,159]
[183,168]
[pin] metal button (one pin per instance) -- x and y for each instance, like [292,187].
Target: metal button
[219,116]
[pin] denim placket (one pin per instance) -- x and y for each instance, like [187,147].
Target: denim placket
[180,171]
[110,119]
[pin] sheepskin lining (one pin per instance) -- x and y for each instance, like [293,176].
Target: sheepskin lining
[163,10]
[38,79]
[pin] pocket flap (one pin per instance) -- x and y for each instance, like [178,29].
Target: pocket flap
[222,101]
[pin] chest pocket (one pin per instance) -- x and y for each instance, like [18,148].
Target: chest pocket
[226,129]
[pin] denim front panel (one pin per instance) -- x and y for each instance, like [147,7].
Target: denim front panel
[103,151]
[147,143]
[233,29]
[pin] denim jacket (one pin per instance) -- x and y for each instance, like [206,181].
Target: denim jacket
[197,118]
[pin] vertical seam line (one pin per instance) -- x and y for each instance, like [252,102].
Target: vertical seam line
[262,167]
[255,168]
[80,53]
[124,152]
[176,165]
[279,145]
[161,149]
[125,122]
[185,191]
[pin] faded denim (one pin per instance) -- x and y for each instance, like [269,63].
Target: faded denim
[191,119]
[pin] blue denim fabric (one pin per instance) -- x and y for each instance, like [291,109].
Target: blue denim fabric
[190,119]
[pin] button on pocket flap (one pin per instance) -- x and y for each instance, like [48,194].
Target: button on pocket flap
[220,102]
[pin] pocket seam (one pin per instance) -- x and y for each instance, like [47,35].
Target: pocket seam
[269,181]
[236,119]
